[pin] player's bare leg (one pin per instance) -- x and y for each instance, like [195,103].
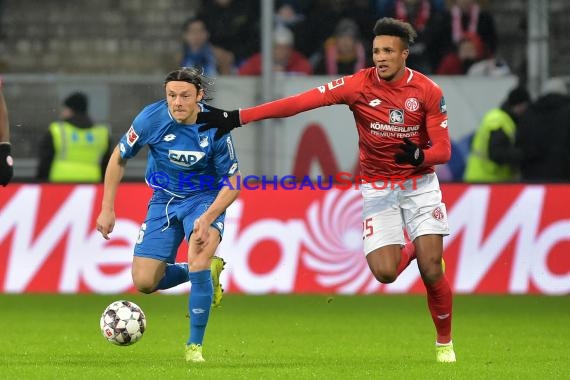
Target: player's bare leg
[429,251]
[146,273]
[200,255]
[150,274]
[386,263]
[383,263]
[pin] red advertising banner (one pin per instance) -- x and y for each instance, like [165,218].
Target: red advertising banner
[504,239]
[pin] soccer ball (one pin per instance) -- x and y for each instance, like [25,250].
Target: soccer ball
[123,323]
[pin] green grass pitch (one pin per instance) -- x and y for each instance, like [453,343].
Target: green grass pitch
[288,337]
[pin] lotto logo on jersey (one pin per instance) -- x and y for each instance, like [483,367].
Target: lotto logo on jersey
[185,158]
[132,136]
[169,137]
[397,116]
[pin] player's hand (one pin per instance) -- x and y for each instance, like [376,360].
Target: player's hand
[225,121]
[106,223]
[411,153]
[201,232]
[6,163]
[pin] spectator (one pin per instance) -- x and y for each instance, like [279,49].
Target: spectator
[466,16]
[543,135]
[287,13]
[234,30]
[290,14]
[469,51]
[427,19]
[285,58]
[342,53]
[321,18]
[358,11]
[196,48]
[318,24]
[74,149]
[493,156]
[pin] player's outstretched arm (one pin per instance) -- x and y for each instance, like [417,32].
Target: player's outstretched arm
[225,121]
[113,176]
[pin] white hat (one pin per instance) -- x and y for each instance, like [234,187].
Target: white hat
[283,36]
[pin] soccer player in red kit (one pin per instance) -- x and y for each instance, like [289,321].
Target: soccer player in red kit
[401,119]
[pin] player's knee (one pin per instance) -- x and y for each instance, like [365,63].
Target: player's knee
[144,284]
[201,261]
[146,289]
[431,273]
[383,275]
[431,277]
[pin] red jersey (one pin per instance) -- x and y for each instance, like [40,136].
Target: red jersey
[385,113]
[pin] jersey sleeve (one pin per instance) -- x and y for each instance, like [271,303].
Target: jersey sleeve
[336,92]
[436,124]
[135,138]
[225,158]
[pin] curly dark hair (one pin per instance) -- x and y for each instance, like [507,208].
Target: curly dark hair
[194,76]
[388,26]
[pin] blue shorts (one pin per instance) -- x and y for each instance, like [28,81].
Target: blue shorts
[168,222]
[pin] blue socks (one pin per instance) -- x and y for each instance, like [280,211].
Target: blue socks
[199,304]
[174,274]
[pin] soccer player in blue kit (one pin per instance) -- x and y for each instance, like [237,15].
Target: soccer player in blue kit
[194,178]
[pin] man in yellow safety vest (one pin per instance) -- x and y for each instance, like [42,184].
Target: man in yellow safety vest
[74,149]
[493,156]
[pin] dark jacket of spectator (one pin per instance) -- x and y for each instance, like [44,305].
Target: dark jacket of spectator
[543,135]
[233,26]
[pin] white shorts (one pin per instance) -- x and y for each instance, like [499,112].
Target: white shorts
[388,210]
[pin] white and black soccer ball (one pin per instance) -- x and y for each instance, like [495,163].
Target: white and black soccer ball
[123,323]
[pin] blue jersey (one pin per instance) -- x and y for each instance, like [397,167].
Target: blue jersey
[181,160]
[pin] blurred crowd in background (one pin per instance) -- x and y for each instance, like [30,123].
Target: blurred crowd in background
[334,37]
[321,37]
[522,139]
